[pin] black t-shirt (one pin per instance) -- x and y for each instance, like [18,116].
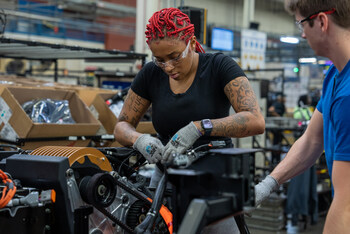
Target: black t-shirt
[205,99]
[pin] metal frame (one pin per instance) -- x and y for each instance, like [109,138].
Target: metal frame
[32,50]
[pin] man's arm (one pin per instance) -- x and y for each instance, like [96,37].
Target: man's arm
[303,153]
[338,217]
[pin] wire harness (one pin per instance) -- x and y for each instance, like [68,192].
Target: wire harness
[8,191]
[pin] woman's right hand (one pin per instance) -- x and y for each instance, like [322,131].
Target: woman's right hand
[150,147]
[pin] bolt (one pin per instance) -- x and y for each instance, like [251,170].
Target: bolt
[114,174]
[69,172]
[101,189]
[125,199]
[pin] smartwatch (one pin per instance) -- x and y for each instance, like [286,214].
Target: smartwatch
[207,126]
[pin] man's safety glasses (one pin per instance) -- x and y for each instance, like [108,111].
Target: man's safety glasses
[311,17]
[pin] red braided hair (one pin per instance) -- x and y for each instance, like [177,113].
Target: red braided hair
[171,23]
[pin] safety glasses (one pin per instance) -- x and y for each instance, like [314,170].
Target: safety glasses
[311,17]
[175,61]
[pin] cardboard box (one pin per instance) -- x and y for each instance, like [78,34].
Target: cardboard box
[12,80]
[146,127]
[101,111]
[88,94]
[16,124]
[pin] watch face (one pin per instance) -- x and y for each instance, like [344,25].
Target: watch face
[207,123]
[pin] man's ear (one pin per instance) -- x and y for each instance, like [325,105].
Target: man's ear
[324,21]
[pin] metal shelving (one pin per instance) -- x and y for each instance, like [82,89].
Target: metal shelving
[32,50]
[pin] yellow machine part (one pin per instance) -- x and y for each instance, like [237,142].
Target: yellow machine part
[76,154]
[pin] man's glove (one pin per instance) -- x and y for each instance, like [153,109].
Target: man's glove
[150,147]
[180,142]
[264,189]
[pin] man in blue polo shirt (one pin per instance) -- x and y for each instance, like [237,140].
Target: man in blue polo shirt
[326,26]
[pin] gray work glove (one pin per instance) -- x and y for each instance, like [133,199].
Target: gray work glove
[264,189]
[180,142]
[150,147]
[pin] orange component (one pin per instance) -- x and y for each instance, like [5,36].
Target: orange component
[167,216]
[9,190]
[53,195]
[76,154]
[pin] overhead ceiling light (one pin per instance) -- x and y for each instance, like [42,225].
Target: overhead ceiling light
[308,60]
[290,40]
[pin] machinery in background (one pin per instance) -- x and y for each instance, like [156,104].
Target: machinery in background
[91,190]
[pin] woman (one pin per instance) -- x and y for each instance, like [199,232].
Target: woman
[184,88]
[190,92]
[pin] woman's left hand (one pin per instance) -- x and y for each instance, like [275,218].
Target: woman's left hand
[180,142]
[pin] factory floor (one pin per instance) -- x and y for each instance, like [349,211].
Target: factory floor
[310,229]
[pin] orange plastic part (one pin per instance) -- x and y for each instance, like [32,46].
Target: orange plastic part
[167,216]
[76,154]
[53,195]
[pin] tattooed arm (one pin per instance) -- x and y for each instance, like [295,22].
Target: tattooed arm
[248,120]
[133,109]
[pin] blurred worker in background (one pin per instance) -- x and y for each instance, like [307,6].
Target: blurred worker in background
[278,108]
[326,26]
[303,111]
[191,94]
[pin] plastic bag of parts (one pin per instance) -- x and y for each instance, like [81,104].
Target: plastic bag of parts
[49,111]
[116,108]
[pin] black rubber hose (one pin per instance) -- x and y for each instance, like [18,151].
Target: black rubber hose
[147,224]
